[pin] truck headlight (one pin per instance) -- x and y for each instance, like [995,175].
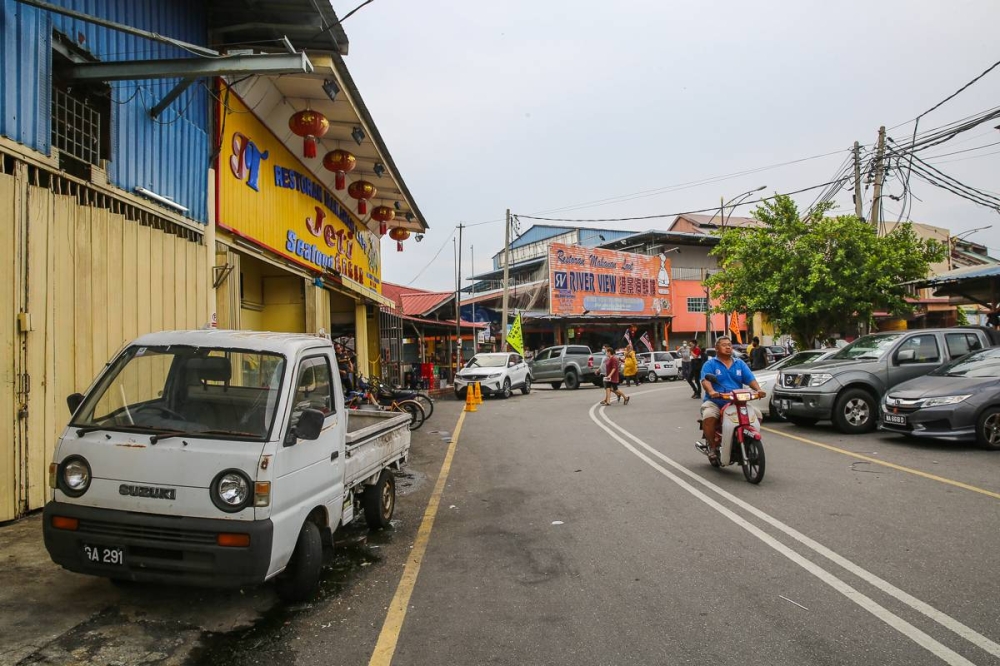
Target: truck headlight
[73,477]
[819,379]
[944,400]
[231,491]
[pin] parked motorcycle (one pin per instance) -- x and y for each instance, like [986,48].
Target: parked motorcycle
[740,430]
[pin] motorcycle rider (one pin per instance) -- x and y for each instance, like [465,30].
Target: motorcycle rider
[730,374]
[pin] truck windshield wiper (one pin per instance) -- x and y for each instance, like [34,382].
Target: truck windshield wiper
[80,432]
[166,434]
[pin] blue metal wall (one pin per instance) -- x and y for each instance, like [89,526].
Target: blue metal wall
[169,155]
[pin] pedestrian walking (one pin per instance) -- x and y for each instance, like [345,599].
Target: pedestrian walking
[697,361]
[631,366]
[612,376]
[758,357]
[685,353]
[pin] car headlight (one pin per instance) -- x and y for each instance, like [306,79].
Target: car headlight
[819,379]
[74,476]
[494,375]
[944,400]
[231,490]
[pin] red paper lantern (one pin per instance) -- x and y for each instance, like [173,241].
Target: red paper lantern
[339,162]
[384,215]
[361,190]
[311,126]
[399,234]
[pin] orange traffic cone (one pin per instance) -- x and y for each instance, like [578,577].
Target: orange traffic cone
[479,394]
[470,399]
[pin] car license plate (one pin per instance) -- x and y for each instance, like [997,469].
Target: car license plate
[783,405]
[109,555]
[895,419]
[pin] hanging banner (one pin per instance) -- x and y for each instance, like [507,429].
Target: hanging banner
[266,195]
[584,281]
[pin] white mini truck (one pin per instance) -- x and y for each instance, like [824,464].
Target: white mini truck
[218,458]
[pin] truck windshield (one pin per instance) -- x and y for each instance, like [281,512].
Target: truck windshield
[186,391]
[870,346]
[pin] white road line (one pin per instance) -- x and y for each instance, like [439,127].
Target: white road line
[925,609]
[922,639]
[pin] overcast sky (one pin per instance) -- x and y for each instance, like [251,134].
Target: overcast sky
[548,105]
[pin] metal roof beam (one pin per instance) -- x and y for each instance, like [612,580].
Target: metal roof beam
[268,63]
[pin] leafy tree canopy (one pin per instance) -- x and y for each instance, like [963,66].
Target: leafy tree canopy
[811,277]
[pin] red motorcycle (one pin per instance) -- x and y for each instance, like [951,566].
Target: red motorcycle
[739,427]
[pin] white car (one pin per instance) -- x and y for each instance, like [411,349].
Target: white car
[769,375]
[661,365]
[497,374]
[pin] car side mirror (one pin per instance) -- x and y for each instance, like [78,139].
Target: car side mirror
[74,401]
[906,356]
[310,424]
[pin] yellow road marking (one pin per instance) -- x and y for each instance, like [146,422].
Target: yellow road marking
[908,470]
[389,636]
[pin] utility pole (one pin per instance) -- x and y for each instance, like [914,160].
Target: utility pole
[708,309]
[472,275]
[458,303]
[857,181]
[879,175]
[506,277]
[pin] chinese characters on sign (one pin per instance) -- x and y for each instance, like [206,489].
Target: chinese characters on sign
[604,282]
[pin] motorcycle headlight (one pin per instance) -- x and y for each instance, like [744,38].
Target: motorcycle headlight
[231,491]
[74,476]
[819,379]
[944,400]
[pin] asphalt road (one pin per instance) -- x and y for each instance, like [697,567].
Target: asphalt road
[566,533]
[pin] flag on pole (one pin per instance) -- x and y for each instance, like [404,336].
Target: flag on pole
[514,338]
[628,336]
[646,341]
[734,326]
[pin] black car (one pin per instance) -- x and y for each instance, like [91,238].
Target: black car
[958,401]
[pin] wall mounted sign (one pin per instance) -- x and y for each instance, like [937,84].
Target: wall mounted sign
[266,195]
[591,281]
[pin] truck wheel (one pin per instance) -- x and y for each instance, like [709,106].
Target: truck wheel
[380,501]
[526,387]
[556,385]
[572,381]
[854,412]
[988,429]
[300,580]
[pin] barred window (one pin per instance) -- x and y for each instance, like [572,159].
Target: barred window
[81,113]
[697,304]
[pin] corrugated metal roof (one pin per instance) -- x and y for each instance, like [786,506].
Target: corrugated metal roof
[417,305]
[25,57]
[958,275]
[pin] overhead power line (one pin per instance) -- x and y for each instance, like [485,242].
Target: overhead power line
[686,212]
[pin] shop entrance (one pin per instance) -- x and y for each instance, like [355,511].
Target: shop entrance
[271,299]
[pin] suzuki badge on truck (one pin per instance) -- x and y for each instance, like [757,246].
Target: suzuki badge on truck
[218,458]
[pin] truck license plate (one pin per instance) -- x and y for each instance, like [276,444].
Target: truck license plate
[109,555]
[895,419]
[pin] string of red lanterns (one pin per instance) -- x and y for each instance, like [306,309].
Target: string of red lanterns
[311,126]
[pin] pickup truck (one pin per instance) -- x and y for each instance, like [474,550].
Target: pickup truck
[218,458]
[566,364]
[847,387]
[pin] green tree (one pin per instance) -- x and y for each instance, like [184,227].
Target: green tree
[813,277]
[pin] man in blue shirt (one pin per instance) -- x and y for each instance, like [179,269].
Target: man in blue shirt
[730,374]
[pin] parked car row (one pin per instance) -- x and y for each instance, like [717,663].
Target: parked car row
[935,383]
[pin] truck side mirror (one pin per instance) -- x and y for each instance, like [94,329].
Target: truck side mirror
[74,401]
[906,356]
[310,424]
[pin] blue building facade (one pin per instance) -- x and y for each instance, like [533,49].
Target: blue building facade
[168,155]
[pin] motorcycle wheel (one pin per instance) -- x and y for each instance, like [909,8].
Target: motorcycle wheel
[753,466]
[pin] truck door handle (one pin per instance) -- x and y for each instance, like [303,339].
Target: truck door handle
[334,455]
